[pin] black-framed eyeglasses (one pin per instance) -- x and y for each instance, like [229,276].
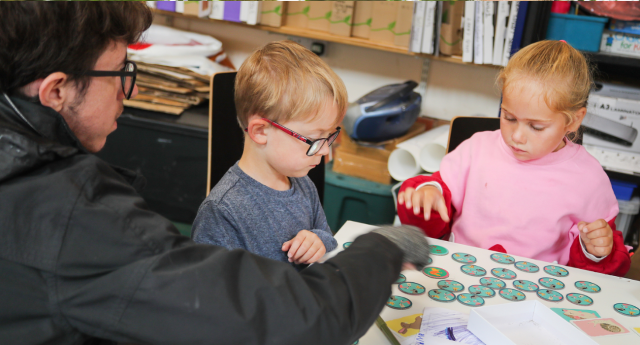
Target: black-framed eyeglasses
[127,76]
[315,145]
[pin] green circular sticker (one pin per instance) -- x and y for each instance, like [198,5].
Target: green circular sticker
[551,283]
[399,302]
[579,299]
[463,258]
[450,285]
[438,250]
[441,295]
[412,288]
[588,286]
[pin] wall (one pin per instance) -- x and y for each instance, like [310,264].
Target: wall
[452,89]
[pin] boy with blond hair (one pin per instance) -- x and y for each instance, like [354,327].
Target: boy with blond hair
[289,103]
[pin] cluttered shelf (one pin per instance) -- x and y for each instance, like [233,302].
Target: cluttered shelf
[328,37]
[612,59]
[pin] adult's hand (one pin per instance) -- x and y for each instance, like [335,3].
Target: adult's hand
[411,240]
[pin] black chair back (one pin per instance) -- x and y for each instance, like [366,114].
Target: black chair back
[463,127]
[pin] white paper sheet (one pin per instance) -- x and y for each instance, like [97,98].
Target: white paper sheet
[438,322]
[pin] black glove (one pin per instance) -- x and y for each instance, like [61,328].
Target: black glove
[411,240]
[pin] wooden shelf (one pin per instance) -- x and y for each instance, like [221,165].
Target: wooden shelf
[325,36]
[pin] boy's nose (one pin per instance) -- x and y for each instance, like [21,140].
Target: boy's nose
[324,150]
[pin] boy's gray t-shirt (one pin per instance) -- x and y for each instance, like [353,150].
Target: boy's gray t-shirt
[241,212]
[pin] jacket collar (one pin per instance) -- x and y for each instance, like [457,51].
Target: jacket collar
[41,123]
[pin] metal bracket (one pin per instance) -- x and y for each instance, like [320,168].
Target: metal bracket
[424,76]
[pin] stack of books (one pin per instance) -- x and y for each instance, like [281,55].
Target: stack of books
[479,32]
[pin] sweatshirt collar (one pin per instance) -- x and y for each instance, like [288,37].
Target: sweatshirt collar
[569,150]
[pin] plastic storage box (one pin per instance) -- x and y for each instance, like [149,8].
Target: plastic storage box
[520,323]
[628,210]
[352,198]
[582,32]
[622,190]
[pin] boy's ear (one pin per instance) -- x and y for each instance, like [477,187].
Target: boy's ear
[256,129]
[580,113]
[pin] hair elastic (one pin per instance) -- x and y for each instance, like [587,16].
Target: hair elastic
[563,41]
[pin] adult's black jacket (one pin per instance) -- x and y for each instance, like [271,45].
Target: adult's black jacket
[83,258]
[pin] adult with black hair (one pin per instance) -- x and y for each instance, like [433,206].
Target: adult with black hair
[83,259]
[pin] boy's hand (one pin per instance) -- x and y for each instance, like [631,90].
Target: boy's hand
[427,197]
[597,237]
[305,248]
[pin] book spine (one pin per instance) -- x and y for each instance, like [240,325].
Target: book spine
[438,28]
[232,11]
[417,24]
[429,24]
[244,10]
[519,30]
[467,39]
[478,34]
[488,32]
[217,11]
[510,30]
[253,12]
[501,28]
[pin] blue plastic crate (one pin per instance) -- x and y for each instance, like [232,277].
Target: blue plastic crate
[581,32]
[623,190]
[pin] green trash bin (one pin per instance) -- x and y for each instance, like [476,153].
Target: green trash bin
[352,198]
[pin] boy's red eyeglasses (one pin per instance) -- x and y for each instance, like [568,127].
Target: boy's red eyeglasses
[316,145]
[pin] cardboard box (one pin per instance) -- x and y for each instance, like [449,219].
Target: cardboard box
[528,322]
[620,43]
[403,24]
[298,14]
[271,13]
[369,161]
[366,168]
[341,18]
[451,28]
[319,15]
[200,9]
[362,13]
[383,22]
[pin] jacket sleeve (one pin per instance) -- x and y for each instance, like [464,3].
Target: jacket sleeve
[617,263]
[435,227]
[124,273]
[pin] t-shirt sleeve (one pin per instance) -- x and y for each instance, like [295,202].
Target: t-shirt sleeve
[215,224]
[320,225]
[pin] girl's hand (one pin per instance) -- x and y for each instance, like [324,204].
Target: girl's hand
[597,237]
[427,197]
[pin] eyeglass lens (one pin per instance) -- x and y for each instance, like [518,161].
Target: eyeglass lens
[128,82]
[317,145]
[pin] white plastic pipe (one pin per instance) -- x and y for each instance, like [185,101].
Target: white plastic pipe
[432,153]
[406,160]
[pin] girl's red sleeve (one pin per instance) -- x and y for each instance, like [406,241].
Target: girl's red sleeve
[617,263]
[435,227]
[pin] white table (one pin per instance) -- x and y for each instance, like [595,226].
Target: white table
[614,289]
